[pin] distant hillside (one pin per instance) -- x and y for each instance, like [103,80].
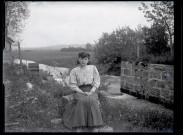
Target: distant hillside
[53,47]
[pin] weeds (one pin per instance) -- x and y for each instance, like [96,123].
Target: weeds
[143,119]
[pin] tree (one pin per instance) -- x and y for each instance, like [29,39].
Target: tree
[162,13]
[89,47]
[15,14]
[139,39]
[155,40]
[113,48]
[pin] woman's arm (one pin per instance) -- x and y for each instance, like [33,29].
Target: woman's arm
[96,80]
[93,89]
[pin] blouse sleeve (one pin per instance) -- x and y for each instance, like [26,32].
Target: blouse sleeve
[72,81]
[96,78]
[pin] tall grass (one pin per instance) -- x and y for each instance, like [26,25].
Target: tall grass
[32,109]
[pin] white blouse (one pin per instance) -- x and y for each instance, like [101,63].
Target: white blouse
[83,76]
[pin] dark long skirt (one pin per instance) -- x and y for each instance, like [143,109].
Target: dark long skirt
[83,111]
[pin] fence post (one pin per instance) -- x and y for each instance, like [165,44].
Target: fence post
[19,49]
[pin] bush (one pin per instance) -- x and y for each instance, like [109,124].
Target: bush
[35,108]
[162,59]
[112,48]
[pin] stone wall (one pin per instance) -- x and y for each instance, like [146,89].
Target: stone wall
[154,82]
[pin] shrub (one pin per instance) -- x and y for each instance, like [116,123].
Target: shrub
[33,109]
[162,59]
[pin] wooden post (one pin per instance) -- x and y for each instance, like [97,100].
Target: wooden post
[138,49]
[19,49]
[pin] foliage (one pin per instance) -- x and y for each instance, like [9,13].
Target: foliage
[162,13]
[126,44]
[32,108]
[120,45]
[155,40]
[73,49]
[15,14]
[89,47]
[163,59]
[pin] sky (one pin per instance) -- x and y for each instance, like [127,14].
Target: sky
[65,23]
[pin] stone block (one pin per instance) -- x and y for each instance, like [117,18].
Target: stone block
[122,84]
[153,83]
[123,77]
[133,72]
[138,88]
[169,84]
[129,79]
[129,65]
[145,73]
[130,86]
[127,72]
[138,73]
[164,93]
[144,85]
[161,84]
[153,91]
[159,67]
[155,74]
[137,80]
[133,66]
[122,71]
[124,64]
[171,95]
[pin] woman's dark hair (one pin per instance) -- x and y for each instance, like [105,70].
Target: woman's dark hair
[84,55]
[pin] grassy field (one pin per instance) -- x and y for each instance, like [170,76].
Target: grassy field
[52,58]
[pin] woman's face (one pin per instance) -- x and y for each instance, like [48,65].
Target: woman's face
[83,61]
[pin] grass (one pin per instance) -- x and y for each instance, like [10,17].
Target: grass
[33,110]
[55,58]
[125,118]
[51,58]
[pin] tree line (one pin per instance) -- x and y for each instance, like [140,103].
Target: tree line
[88,47]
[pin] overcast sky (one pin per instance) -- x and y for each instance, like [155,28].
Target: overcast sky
[56,23]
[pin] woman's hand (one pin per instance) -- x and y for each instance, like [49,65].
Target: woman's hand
[88,93]
[84,93]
